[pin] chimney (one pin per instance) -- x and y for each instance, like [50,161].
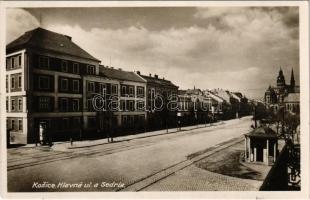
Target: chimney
[150,75]
[67,36]
[138,72]
[120,69]
[156,76]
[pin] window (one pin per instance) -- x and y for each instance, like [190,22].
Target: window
[89,104]
[123,105]
[64,84]
[140,105]
[75,105]
[91,69]
[65,122]
[64,66]
[91,87]
[19,60]
[20,104]
[76,121]
[43,62]
[8,63]
[124,120]
[19,81]
[140,91]
[44,103]
[131,91]
[13,105]
[63,104]
[13,124]
[44,82]
[20,124]
[12,82]
[114,89]
[13,63]
[76,69]
[76,85]
[91,122]
[102,88]
[7,83]
[7,104]
[123,90]
[131,106]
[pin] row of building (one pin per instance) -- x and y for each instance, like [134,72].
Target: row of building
[53,82]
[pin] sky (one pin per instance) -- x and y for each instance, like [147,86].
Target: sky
[240,49]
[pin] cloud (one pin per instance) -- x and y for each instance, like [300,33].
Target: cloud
[231,48]
[17,22]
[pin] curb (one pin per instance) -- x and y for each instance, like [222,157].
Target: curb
[141,137]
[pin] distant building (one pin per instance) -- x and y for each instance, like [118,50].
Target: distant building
[291,102]
[215,102]
[283,95]
[159,92]
[235,104]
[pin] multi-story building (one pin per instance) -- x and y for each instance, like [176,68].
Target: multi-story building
[51,81]
[44,84]
[161,101]
[194,106]
[215,102]
[131,90]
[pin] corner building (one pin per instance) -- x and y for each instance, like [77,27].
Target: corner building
[50,80]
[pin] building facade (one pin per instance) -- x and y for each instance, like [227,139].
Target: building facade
[52,81]
[44,72]
[283,95]
[130,96]
[161,102]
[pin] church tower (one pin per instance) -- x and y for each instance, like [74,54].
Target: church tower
[292,84]
[281,80]
[292,79]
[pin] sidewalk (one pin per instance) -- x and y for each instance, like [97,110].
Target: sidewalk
[66,145]
[89,143]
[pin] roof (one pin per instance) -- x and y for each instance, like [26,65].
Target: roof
[262,132]
[181,92]
[235,96]
[44,39]
[239,94]
[159,81]
[292,97]
[213,96]
[119,74]
[194,91]
[223,94]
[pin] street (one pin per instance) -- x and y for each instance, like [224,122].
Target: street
[134,164]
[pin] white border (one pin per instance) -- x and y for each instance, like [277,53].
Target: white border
[304,82]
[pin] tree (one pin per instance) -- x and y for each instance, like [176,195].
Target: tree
[260,113]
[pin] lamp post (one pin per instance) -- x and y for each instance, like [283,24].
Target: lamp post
[179,115]
[255,114]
